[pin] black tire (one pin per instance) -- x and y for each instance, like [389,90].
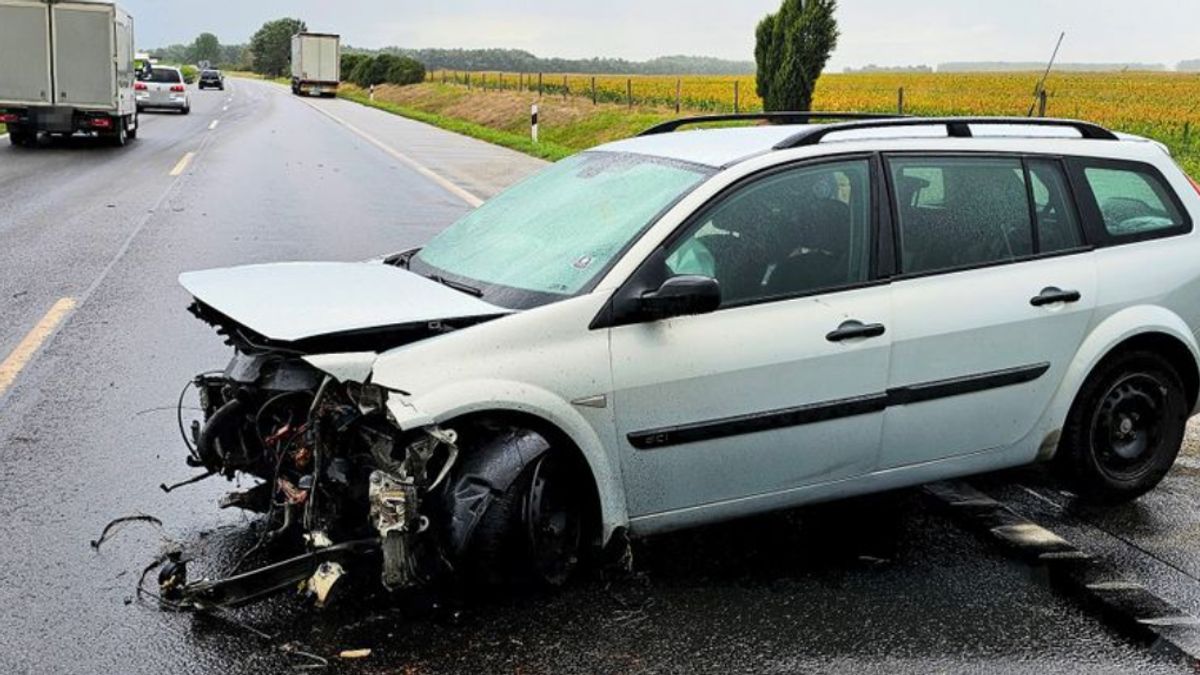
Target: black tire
[22,138]
[186,110]
[531,533]
[133,129]
[120,137]
[1125,428]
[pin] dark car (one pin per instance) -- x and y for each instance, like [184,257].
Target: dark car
[212,78]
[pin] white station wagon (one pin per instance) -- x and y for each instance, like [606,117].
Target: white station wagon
[692,326]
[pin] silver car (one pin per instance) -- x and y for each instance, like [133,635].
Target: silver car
[163,88]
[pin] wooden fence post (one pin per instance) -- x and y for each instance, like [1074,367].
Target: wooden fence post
[736,98]
[629,91]
[593,90]
[900,101]
[539,85]
[566,88]
[678,94]
[1042,103]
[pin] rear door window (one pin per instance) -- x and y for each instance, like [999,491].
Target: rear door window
[1133,201]
[1057,220]
[957,212]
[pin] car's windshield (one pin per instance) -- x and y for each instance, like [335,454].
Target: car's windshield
[550,236]
[165,76]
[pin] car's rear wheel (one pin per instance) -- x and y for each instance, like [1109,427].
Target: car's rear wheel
[1125,429]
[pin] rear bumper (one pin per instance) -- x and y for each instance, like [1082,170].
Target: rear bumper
[313,87]
[57,119]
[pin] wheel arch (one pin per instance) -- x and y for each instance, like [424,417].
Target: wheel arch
[1142,327]
[537,410]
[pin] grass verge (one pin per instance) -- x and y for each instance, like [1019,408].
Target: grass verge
[521,143]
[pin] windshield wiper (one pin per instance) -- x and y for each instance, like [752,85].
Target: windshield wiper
[456,285]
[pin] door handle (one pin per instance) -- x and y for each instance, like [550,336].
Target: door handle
[856,329]
[1052,295]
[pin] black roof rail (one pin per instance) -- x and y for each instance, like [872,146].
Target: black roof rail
[781,117]
[956,127]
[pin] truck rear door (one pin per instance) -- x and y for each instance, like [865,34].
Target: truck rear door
[24,53]
[84,55]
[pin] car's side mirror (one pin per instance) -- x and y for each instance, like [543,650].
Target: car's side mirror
[681,296]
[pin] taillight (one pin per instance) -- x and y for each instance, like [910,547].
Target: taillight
[102,122]
[140,86]
[177,87]
[8,118]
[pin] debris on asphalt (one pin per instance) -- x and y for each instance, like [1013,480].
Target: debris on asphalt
[115,525]
[355,653]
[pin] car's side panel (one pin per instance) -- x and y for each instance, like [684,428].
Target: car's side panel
[1107,334]
[968,325]
[543,362]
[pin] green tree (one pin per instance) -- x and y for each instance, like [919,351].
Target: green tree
[350,61]
[373,70]
[793,46]
[206,48]
[271,46]
[405,71]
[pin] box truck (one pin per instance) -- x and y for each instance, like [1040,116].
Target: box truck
[66,67]
[316,64]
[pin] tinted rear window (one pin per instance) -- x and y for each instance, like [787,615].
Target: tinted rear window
[165,76]
[1132,201]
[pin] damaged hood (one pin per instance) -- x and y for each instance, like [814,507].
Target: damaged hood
[289,302]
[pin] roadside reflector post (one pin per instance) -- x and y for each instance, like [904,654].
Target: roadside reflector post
[533,122]
[900,101]
[371,92]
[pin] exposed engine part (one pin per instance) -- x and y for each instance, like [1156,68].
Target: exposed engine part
[394,515]
[321,583]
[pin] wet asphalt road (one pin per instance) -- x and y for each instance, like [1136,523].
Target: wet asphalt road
[87,433]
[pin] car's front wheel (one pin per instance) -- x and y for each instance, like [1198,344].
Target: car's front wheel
[530,530]
[1125,429]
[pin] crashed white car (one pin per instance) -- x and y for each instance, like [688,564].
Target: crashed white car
[694,326]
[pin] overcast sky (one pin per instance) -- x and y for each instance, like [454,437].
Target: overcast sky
[886,32]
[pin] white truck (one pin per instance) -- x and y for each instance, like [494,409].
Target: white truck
[66,67]
[316,64]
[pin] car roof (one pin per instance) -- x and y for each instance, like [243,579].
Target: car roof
[724,147]
[710,147]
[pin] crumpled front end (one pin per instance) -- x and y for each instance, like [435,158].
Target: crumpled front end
[333,470]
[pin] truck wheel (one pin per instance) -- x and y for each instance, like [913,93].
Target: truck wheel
[525,529]
[132,130]
[22,138]
[1125,428]
[120,137]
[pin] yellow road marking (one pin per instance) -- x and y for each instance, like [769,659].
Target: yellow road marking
[183,164]
[24,351]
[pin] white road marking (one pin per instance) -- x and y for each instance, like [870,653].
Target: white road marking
[3,135]
[214,125]
[183,164]
[33,341]
[442,181]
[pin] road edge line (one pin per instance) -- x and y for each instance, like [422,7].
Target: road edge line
[1127,604]
[445,183]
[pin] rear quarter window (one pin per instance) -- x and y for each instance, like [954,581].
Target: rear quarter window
[1130,201]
